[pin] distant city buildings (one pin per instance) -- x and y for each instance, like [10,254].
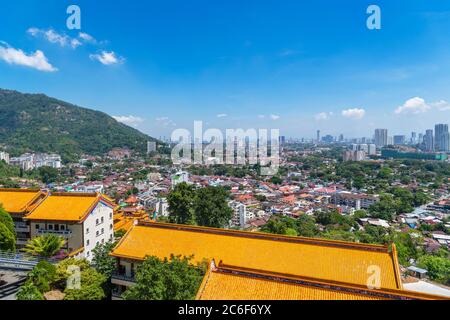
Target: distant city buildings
[442,138]
[428,141]
[381,137]
[369,149]
[119,153]
[239,218]
[399,140]
[151,147]
[4,156]
[180,177]
[30,161]
[351,155]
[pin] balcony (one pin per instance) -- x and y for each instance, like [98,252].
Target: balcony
[122,279]
[62,233]
[24,229]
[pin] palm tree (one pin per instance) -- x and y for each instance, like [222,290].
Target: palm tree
[45,246]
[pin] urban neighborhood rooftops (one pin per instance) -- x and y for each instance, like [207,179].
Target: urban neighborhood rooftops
[310,258]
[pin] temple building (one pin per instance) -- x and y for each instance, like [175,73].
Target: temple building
[82,219]
[18,203]
[292,267]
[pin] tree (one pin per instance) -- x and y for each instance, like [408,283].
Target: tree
[92,283]
[180,204]
[438,268]
[7,239]
[45,246]
[29,292]
[306,226]
[7,220]
[169,279]
[48,174]
[42,276]
[385,209]
[211,207]
[102,261]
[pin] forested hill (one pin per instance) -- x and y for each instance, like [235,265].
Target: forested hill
[36,122]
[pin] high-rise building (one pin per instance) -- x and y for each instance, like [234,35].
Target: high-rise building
[371,149]
[420,138]
[318,135]
[413,137]
[4,156]
[381,137]
[151,147]
[428,141]
[442,138]
[399,140]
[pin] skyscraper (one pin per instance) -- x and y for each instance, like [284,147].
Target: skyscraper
[318,136]
[381,137]
[428,141]
[442,138]
[413,138]
[399,140]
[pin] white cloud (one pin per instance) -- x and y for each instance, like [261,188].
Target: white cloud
[323,116]
[222,115]
[36,60]
[415,106]
[274,117]
[61,38]
[86,37]
[261,116]
[442,105]
[107,58]
[54,37]
[166,122]
[354,114]
[129,120]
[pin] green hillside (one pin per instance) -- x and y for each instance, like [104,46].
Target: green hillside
[35,122]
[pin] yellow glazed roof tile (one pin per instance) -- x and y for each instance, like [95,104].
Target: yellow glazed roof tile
[18,200]
[230,283]
[314,258]
[65,207]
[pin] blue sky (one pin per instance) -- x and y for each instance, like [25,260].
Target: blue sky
[294,65]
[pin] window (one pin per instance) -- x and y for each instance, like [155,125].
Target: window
[103,219]
[103,241]
[96,233]
[103,231]
[50,227]
[37,227]
[87,254]
[96,221]
[110,226]
[62,227]
[110,215]
[87,242]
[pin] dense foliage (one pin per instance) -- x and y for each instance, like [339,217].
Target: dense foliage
[35,122]
[169,279]
[46,245]
[7,232]
[204,207]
